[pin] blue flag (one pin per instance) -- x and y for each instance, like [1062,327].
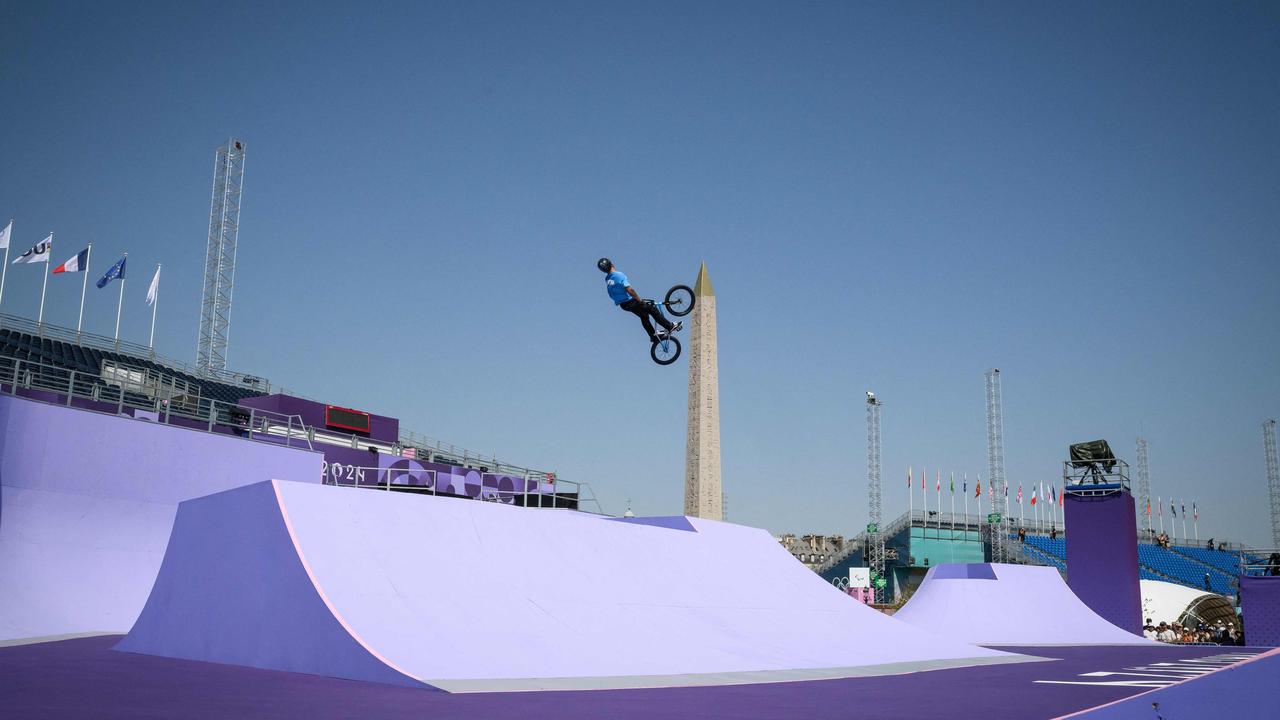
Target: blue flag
[116,271]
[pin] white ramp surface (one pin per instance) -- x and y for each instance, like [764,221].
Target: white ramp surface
[468,596]
[1012,605]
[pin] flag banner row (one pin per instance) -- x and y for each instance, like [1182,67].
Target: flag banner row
[42,252]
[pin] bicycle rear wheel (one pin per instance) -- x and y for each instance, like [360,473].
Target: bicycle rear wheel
[665,351]
[680,300]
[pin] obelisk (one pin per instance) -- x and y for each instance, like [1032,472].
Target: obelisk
[702,496]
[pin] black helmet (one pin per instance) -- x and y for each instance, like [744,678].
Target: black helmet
[605,264]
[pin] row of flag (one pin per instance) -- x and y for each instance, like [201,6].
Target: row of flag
[1173,508]
[1039,494]
[42,252]
[964,487]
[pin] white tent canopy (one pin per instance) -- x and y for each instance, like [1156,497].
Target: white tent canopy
[1169,602]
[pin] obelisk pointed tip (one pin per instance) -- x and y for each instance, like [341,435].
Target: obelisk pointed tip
[702,286]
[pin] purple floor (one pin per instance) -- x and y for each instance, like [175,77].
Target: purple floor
[85,678]
[1242,691]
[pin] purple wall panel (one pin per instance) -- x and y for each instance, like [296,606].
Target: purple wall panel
[87,502]
[1260,608]
[1102,557]
[381,427]
[345,466]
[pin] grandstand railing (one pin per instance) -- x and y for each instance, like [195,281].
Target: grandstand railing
[387,480]
[94,392]
[102,342]
[427,448]
[1257,561]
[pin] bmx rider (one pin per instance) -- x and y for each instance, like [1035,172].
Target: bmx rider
[625,297]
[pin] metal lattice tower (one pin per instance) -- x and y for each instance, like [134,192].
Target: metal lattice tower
[1273,478]
[220,257]
[874,554]
[1144,484]
[995,467]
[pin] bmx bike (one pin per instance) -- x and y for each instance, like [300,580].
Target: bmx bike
[679,301]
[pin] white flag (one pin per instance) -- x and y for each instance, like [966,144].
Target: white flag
[155,287]
[38,253]
[4,235]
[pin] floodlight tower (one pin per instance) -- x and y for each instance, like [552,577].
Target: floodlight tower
[220,257]
[995,466]
[1273,478]
[874,553]
[1144,484]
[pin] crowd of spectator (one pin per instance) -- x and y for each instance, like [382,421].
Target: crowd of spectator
[1220,634]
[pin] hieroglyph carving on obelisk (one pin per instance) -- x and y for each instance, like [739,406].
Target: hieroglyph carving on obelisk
[702,494]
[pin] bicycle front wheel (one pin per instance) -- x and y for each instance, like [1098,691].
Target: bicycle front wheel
[665,351]
[680,300]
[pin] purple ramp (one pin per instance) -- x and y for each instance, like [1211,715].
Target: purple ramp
[1102,556]
[86,504]
[282,621]
[472,596]
[995,604]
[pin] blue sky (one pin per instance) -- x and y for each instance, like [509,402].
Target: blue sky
[889,196]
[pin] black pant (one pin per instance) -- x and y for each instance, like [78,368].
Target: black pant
[644,311]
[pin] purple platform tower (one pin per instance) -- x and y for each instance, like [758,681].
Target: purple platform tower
[1102,537]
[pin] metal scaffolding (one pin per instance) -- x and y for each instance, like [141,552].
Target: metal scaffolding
[220,257]
[874,554]
[1144,485]
[995,468]
[1273,478]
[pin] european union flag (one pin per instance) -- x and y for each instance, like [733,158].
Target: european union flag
[116,271]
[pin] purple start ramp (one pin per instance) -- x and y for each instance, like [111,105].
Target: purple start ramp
[998,604]
[467,596]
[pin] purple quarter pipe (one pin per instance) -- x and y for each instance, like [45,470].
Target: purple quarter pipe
[87,501]
[1102,555]
[469,596]
[1012,605]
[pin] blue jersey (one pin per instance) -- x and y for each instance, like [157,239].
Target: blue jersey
[616,283]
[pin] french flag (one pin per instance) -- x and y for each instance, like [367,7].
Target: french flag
[78,263]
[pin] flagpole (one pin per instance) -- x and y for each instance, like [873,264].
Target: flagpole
[1160,513]
[4,269]
[120,306]
[84,285]
[1038,500]
[44,285]
[1195,520]
[155,302]
[1184,521]
[965,488]
[953,502]
[911,499]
